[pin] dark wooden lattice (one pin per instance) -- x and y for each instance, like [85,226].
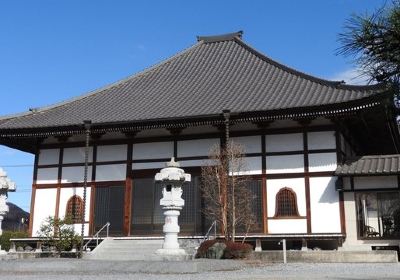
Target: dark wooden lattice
[286,203]
[75,209]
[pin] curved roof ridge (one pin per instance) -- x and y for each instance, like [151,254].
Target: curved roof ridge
[101,89]
[336,84]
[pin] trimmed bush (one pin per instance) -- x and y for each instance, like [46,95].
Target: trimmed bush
[7,235]
[237,250]
[233,250]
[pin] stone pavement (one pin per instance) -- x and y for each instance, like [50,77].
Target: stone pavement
[61,269]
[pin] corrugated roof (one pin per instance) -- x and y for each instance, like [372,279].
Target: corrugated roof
[217,73]
[370,165]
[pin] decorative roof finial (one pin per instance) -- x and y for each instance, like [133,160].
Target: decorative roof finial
[173,163]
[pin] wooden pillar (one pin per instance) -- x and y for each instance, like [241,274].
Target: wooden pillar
[128,192]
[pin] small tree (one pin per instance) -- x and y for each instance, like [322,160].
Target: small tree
[59,233]
[228,200]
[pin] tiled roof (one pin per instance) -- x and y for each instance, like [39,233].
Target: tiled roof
[217,73]
[370,165]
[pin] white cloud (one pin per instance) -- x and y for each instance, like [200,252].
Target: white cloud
[350,76]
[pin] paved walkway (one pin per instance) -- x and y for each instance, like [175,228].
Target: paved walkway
[44,269]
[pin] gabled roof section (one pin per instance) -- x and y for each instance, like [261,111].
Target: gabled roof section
[370,165]
[217,73]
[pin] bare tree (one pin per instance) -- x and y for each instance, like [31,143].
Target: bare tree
[228,200]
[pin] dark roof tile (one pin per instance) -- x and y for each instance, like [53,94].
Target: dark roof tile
[370,165]
[217,73]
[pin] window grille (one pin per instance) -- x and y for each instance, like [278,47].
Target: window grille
[75,209]
[286,203]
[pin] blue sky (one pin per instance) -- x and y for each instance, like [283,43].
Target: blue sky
[54,50]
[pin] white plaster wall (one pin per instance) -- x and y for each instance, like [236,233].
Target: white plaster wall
[148,165]
[153,150]
[45,206]
[251,144]
[49,156]
[287,226]
[296,184]
[112,152]
[198,147]
[284,142]
[65,195]
[76,155]
[111,172]
[375,182]
[324,201]
[322,162]
[47,175]
[285,164]
[75,174]
[251,165]
[321,140]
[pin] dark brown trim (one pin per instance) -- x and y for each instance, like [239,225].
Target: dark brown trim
[32,210]
[182,137]
[128,193]
[288,218]
[264,186]
[35,168]
[300,175]
[59,178]
[91,210]
[307,181]
[352,183]
[342,213]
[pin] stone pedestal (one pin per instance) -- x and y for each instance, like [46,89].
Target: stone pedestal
[171,179]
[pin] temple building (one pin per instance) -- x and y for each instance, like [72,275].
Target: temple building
[322,156]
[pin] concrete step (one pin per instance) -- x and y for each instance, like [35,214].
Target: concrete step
[137,249]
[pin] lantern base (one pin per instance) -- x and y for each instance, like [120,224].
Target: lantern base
[171,252]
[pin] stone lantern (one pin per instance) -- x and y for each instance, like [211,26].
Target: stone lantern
[171,180]
[6,185]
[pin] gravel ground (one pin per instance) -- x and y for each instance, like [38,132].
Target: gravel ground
[44,269]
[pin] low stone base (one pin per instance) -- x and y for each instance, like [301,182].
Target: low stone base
[327,256]
[172,252]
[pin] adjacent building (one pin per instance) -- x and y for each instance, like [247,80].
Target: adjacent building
[322,156]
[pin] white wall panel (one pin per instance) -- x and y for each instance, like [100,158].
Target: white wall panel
[321,140]
[251,144]
[148,165]
[111,172]
[375,182]
[76,155]
[284,142]
[112,152]
[322,162]
[287,226]
[285,164]
[75,174]
[251,165]
[324,200]
[153,150]
[45,206]
[198,147]
[47,175]
[296,184]
[49,156]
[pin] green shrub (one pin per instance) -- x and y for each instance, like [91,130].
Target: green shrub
[7,235]
[59,233]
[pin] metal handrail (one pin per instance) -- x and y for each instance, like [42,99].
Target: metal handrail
[213,225]
[96,236]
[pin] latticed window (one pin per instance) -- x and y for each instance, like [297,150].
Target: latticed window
[286,203]
[75,209]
